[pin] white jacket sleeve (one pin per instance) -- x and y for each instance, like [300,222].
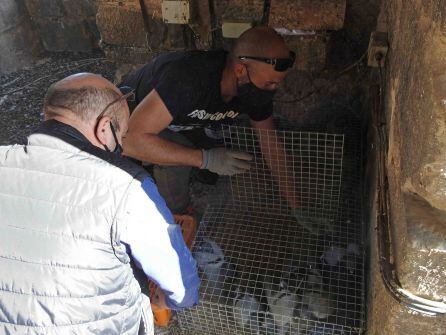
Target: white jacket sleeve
[156,243]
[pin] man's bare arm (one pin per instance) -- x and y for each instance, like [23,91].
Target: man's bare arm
[274,153]
[142,142]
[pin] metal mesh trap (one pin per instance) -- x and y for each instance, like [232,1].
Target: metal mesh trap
[265,272]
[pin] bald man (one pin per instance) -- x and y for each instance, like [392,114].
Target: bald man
[72,211]
[183,97]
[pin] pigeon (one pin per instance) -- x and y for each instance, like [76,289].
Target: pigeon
[294,274]
[268,325]
[281,302]
[351,258]
[316,304]
[248,311]
[220,274]
[208,255]
[325,329]
[352,248]
[333,255]
[300,276]
[314,280]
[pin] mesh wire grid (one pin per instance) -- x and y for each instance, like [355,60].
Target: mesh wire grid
[264,273]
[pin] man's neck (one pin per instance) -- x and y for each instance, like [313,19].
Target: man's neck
[228,84]
[80,127]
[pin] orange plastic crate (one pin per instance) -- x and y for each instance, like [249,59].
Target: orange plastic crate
[161,316]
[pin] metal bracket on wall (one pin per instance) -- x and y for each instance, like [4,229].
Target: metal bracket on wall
[175,12]
[378,47]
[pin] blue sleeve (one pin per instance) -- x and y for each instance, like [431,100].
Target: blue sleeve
[157,244]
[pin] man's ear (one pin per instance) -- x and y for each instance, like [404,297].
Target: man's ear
[239,69]
[102,128]
[240,72]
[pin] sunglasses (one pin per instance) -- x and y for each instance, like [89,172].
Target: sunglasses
[128,94]
[280,64]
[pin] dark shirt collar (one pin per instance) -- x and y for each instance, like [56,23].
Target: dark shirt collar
[64,132]
[74,137]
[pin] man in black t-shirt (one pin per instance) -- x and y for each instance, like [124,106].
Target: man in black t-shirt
[182,91]
[189,84]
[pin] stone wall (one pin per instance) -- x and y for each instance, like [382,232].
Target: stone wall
[127,39]
[18,41]
[29,27]
[415,93]
[417,128]
[65,25]
[136,41]
[315,92]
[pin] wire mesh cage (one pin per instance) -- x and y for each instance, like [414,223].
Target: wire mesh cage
[267,271]
[308,167]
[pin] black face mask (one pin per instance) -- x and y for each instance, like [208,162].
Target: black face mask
[118,148]
[250,95]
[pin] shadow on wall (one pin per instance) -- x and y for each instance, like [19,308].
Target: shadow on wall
[29,27]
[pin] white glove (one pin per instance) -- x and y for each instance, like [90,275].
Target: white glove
[225,162]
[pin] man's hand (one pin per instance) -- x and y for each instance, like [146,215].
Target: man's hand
[313,225]
[225,162]
[159,299]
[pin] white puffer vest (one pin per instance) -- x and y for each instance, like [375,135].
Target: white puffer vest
[63,269]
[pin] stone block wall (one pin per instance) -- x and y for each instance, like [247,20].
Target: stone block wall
[65,25]
[240,11]
[127,39]
[308,14]
[415,95]
[18,41]
[29,27]
[417,135]
[314,93]
[136,42]
[321,51]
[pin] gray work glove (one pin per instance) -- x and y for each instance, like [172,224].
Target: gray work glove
[313,225]
[225,162]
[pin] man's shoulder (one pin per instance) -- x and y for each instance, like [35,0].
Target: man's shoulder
[130,167]
[6,150]
[69,145]
[192,62]
[192,55]
[125,165]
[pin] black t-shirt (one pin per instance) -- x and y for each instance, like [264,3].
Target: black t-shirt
[189,85]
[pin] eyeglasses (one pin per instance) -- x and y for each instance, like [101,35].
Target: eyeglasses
[128,94]
[280,64]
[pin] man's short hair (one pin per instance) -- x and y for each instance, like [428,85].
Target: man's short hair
[85,103]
